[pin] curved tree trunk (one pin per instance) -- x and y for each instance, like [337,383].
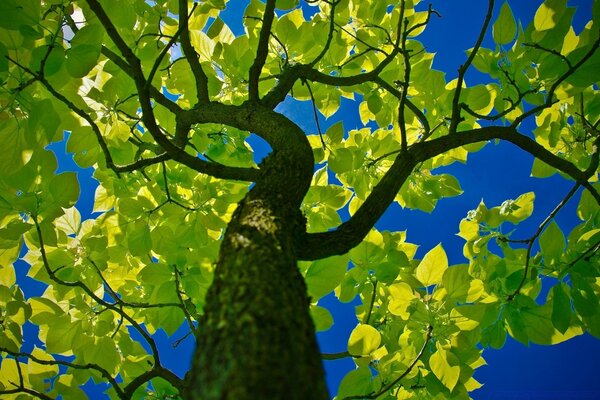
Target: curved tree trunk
[257,339]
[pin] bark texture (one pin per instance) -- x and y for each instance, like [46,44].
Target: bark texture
[257,339]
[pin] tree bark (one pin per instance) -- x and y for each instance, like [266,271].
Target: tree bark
[256,339]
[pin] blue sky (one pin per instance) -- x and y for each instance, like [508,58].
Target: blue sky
[496,173]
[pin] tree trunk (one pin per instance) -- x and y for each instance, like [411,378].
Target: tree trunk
[257,339]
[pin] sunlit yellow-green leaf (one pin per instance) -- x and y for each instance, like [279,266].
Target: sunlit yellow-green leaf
[363,340]
[444,365]
[432,267]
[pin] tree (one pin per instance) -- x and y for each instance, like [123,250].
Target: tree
[159,97]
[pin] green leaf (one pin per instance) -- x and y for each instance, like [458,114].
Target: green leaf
[548,14]
[65,189]
[401,296]
[103,353]
[64,336]
[70,222]
[495,335]
[286,4]
[363,340]
[432,267]
[518,210]
[561,309]
[444,366]
[324,275]
[81,59]
[15,13]
[355,383]
[541,170]
[335,132]
[53,59]
[505,27]
[481,98]
[321,317]
[39,372]
[461,285]
[585,300]
[139,240]
[552,244]
[386,272]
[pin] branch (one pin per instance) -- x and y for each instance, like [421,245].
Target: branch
[315,246]
[329,34]
[159,372]
[372,303]
[262,51]
[156,94]
[335,356]
[95,367]
[405,84]
[148,117]
[409,104]
[537,233]
[389,386]
[20,388]
[550,96]
[306,71]
[315,114]
[139,164]
[462,70]
[112,32]
[182,27]
[93,295]
[190,53]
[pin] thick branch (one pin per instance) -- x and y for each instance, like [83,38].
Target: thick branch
[190,53]
[174,152]
[147,376]
[262,51]
[349,234]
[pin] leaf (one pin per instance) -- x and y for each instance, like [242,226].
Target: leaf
[363,340]
[53,59]
[439,362]
[432,267]
[541,170]
[460,285]
[561,309]
[40,372]
[335,132]
[401,295]
[69,223]
[81,59]
[16,13]
[139,241]
[65,189]
[552,244]
[355,383]
[7,273]
[103,201]
[324,275]
[505,27]
[548,14]
[481,98]
[321,317]
[518,210]
[286,4]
